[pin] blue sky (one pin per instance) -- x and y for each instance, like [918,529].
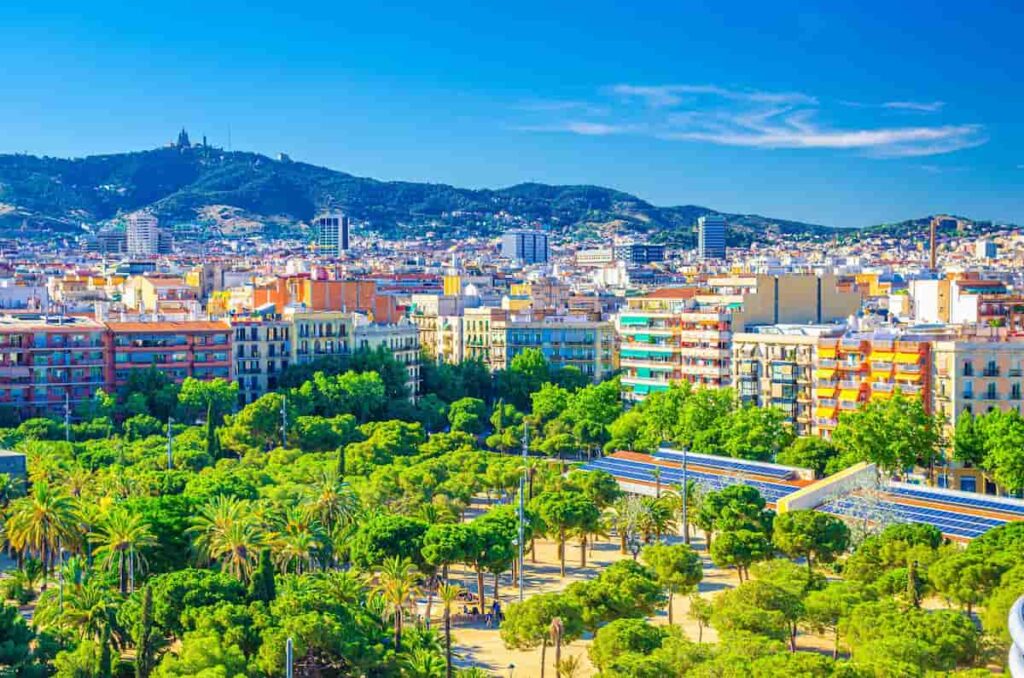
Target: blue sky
[845,116]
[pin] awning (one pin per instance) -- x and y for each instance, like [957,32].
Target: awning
[825,392]
[882,356]
[826,351]
[825,412]
[911,376]
[849,395]
[880,375]
[824,373]
[908,358]
[881,395]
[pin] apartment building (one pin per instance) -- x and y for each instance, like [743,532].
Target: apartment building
[160,295]
[262,351]
[686,333]
[200,349]
[47,362]
[773,366]
[319,335]
[402,339]
[476,332]
[667,336]
[857,368]
[975,376]
[565,341]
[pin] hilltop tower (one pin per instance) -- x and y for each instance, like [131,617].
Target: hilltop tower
[183,141]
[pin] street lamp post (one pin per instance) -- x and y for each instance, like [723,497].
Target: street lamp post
[170,442]
[686,489]
[289,659]
[522,507]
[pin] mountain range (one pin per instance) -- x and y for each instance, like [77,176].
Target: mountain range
[234,191]
[244,190]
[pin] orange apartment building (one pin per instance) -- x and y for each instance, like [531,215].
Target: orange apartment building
[853,370]
[328,295]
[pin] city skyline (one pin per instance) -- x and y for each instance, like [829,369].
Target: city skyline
[840,119]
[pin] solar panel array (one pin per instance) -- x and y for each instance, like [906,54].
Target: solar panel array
[956,524]
[726,464]
[956,500]
[630,469]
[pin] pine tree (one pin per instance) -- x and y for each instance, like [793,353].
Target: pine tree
[144,636]
[262,586]
[341,461]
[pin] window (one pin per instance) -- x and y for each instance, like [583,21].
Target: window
[968,484]
[968,368]
[990,392]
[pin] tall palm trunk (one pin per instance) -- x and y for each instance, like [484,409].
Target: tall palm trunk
[480,587]
[430,597]
[583,551]
[543,655]
[398,628]
[561,552]
[670,608]
[122,573]
[448,641]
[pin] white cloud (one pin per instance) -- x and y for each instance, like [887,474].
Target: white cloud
[673,95]
[582,128]
[761,119]
[919,106]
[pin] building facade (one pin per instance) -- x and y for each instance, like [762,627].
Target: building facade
[857,368]
[711,239]
[199,349]
[525,246]
[332,233]
[565,341]
[774,367]
[143,234]
[49,362]
[262,351]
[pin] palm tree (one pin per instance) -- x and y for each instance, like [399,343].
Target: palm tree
[397,584]
[225,530]
[656,474]
[297,541]
[89,609]
[120,540]
[422,663]
[448,594]
[657,518]
[39,522]
[570,667]
[693,496]
[331,501]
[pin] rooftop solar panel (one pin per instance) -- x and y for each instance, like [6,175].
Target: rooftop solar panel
[956,499]
[948,522]
[638,470]
[713,461]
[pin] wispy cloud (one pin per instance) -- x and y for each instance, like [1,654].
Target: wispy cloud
[673,95]
[583,128]
[919,106]
[761,119]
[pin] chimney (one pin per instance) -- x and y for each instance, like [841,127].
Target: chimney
[931,244]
